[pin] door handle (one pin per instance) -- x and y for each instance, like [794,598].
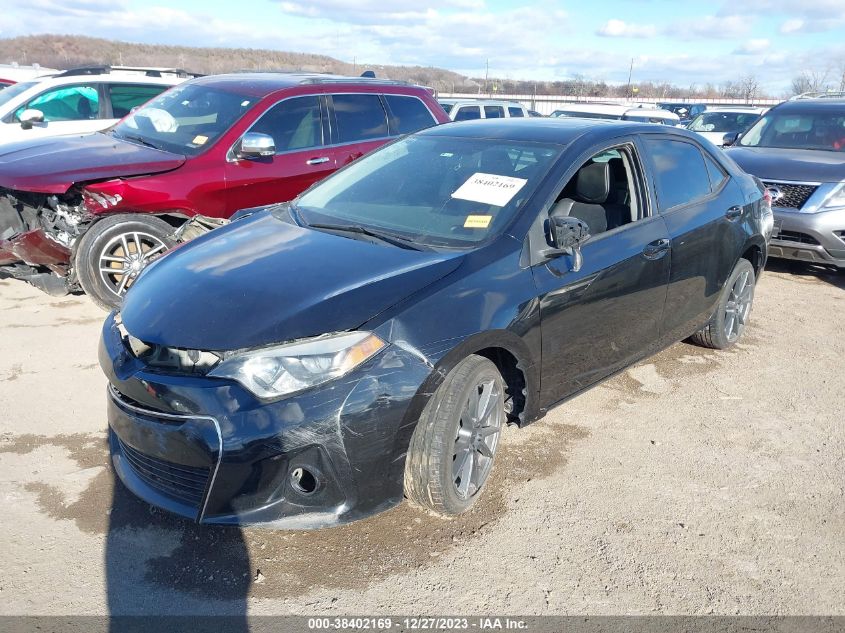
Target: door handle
[317,161]
[656,249]
[733,213]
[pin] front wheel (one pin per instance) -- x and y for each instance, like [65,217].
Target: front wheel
[732,311]
[454,445]
[114,251]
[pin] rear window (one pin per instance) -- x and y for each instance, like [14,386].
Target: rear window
[494,112]
[679,171]
[468,113]
[124,97]
[407,114]
[359,117]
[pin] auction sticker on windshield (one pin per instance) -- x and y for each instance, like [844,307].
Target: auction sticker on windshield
[489,189]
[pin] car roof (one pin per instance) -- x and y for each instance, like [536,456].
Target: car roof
[813,105]
[470,101]
[548,130]
[261,84]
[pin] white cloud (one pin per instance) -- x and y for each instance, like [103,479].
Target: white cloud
[711,27]
[752,47]
[792,26]
[619,28]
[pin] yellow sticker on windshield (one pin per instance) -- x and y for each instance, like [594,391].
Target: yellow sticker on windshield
[477,221]
[200,139]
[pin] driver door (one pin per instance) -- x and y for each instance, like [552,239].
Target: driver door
[605,316]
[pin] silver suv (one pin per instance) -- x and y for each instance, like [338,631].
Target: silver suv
[798,150]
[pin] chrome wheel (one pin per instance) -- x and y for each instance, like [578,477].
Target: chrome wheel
[125,256]
[738,306]
[478,436]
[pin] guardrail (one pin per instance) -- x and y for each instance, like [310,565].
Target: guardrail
[546,104]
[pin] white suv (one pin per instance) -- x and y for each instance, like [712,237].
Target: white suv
[79,101]
[468,109]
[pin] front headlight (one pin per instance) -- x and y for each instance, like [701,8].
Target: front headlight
[836,200]
[273,372]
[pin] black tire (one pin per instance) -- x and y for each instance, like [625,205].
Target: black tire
[104,238]
[442,431]
[715,334]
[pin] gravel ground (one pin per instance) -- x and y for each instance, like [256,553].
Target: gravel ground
[696,482]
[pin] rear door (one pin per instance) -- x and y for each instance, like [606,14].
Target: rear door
[299,131]
[702,207]
[359,125]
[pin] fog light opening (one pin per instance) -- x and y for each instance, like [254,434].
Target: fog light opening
[303,480]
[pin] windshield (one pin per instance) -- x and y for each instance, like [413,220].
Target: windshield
[723,122]
[798,130]
[434,190]
[185,120]
[7,94]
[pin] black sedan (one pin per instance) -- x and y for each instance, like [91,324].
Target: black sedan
[314,362]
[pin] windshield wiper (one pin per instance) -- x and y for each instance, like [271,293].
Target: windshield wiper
[389,238]
[139,139]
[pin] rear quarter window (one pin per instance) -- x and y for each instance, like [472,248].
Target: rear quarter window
[515,112]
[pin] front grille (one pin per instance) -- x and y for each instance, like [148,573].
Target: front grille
[183,483]
[795,236]
[794,196]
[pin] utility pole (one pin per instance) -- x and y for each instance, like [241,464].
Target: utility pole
[628,92]
[486,75]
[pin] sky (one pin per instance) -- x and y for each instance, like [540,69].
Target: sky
[685,43]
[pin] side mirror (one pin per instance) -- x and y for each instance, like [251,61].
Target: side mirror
[730,138]
[254,145]
[566,235]
[29,117]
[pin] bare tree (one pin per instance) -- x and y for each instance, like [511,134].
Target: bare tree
[749,87]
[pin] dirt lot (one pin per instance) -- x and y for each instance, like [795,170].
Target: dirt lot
[696,482]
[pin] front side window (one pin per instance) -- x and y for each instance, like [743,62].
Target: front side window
[186,119]
[823,130]
[293,124]
[468,113]
[407,114]
[67,103]
[359,117]
[493,112]
[679,172]
[515,112]
[435,190]
[125,97]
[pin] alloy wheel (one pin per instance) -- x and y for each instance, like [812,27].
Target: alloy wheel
[738,306]
[477,438]
[125,256]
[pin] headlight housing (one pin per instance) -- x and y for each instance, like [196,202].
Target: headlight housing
[836,200]
[273,372]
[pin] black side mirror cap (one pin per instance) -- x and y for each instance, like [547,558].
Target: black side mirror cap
[730,138]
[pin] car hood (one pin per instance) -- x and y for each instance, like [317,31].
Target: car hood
[798,165]
[262,280]
[53,165]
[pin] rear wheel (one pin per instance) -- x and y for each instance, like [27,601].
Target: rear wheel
[454,445]
[114,251]
[733,310]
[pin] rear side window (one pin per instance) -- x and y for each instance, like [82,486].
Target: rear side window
[359,117]
[407,114]
[468,113]
[124,97]
[294,123]
[493,112]
[512,111]
[679,172]
[67,103]
[717,175]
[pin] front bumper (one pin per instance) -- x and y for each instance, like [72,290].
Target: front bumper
[810,237]
[207,449]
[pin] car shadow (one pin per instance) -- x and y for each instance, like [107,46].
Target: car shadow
[809,270]
[161,565]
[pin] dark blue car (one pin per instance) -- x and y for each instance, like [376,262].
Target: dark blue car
[314,362]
